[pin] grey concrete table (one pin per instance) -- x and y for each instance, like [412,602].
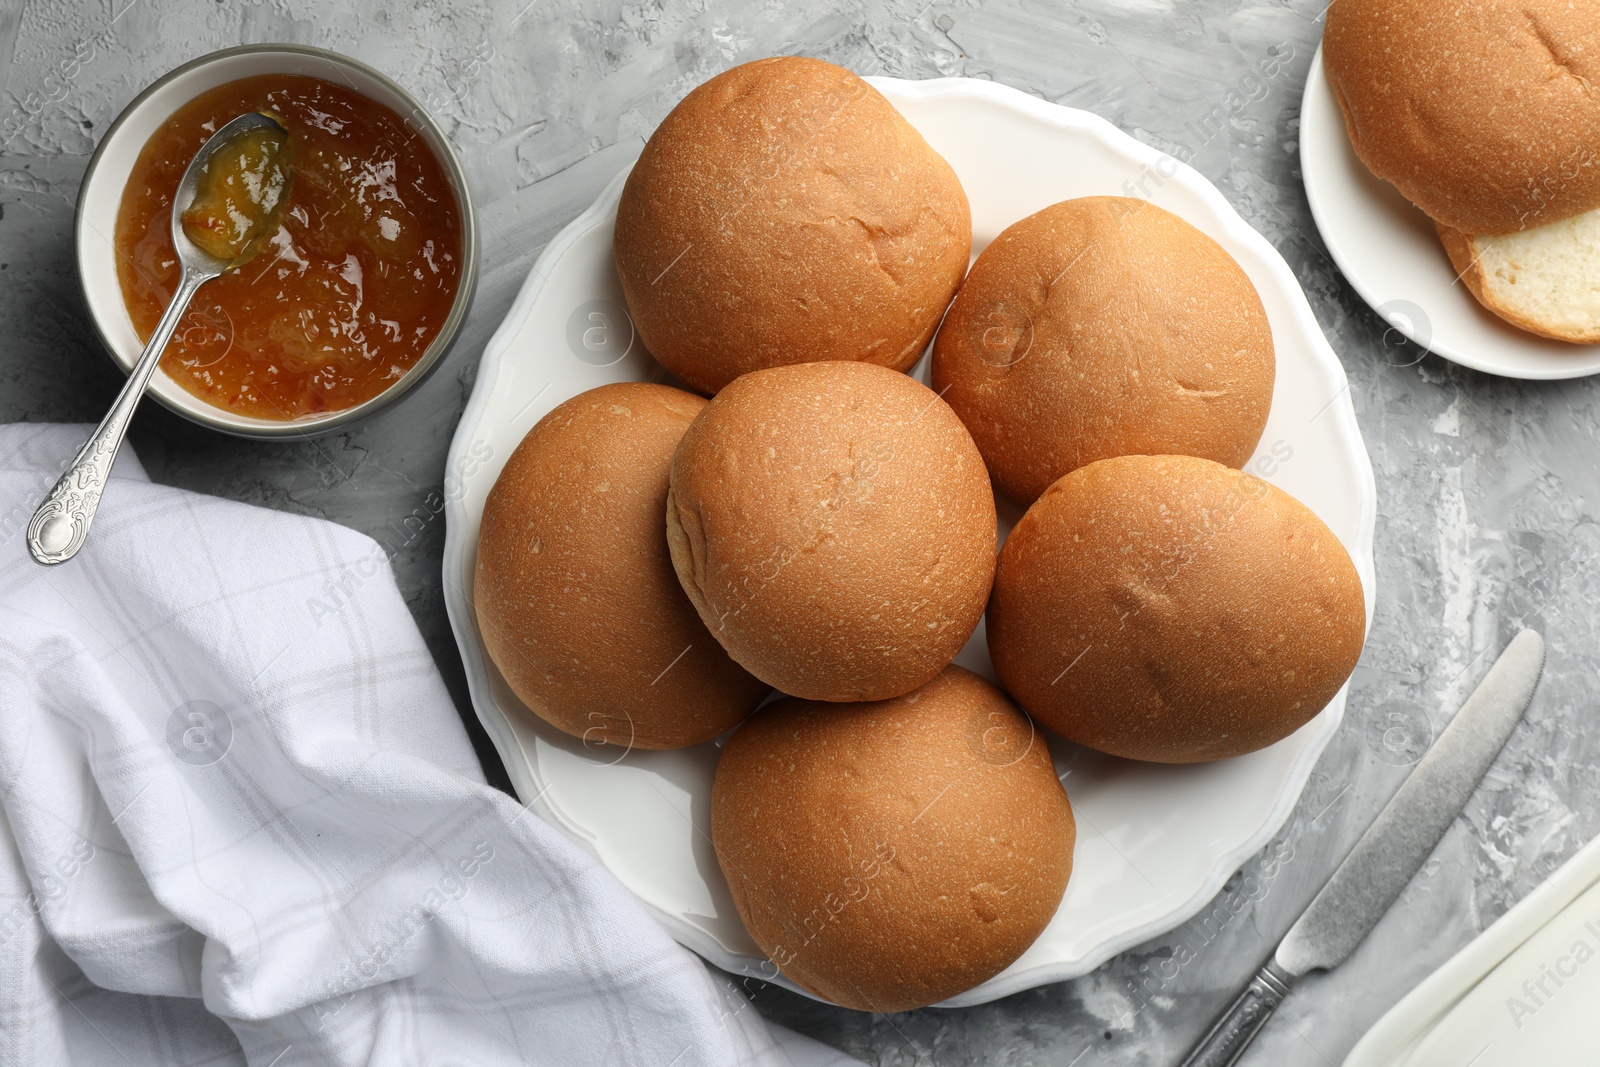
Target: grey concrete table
[1483,484]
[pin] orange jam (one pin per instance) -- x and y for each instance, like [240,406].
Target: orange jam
[343,297]
[238,197]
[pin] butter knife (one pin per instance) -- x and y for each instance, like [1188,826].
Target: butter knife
[1393,849]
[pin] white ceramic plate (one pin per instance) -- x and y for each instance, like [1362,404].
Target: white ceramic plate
[1390,252]
[1426,1012]
[1155,843]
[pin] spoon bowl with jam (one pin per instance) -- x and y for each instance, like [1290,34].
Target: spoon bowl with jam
[229,202]
[239,190]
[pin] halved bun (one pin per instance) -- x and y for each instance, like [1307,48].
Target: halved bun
[1545,280]
[1485,114]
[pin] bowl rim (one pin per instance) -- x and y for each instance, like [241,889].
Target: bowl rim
[217,418]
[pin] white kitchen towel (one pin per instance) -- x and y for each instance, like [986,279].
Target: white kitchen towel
[243,823]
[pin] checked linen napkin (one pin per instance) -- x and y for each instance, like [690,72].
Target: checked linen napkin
[239,831]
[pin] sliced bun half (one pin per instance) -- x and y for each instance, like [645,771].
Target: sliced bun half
[1545,280]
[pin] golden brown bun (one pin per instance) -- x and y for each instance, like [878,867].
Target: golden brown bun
[783,213]
[891,855]
[1486,115]
[834,525]
[1541,280]
[1169,608]
[575,594]
[1099,327]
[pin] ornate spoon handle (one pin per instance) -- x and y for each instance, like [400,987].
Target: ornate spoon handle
[62,522]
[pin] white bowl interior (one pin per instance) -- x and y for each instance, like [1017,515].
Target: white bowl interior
[101,197]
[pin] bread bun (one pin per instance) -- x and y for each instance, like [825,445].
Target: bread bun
[1545,280]
[1169,608]
[574,591]
[834,526]
[1486,115]
[1099,327]
[784,212]
[893,854]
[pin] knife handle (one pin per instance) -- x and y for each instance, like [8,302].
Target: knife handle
[1226,1041]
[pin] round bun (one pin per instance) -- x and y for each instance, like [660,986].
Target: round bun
[1486,115]
[890,855]
[575,594]
[785,212]
[1169,608]
[1104,327]
[835,527]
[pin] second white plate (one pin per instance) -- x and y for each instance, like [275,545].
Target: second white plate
[1563,1037]
[1390,252]
[1155,843]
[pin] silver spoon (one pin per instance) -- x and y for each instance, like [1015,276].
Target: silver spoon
[61,524]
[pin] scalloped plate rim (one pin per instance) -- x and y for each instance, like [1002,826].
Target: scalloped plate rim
[1320,729]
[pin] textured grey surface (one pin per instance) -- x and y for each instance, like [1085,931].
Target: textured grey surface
[1405,833]
[1483,484]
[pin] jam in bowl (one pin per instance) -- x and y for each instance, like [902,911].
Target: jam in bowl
[353,289]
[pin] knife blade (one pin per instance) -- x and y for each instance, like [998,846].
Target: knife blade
[1389,853]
